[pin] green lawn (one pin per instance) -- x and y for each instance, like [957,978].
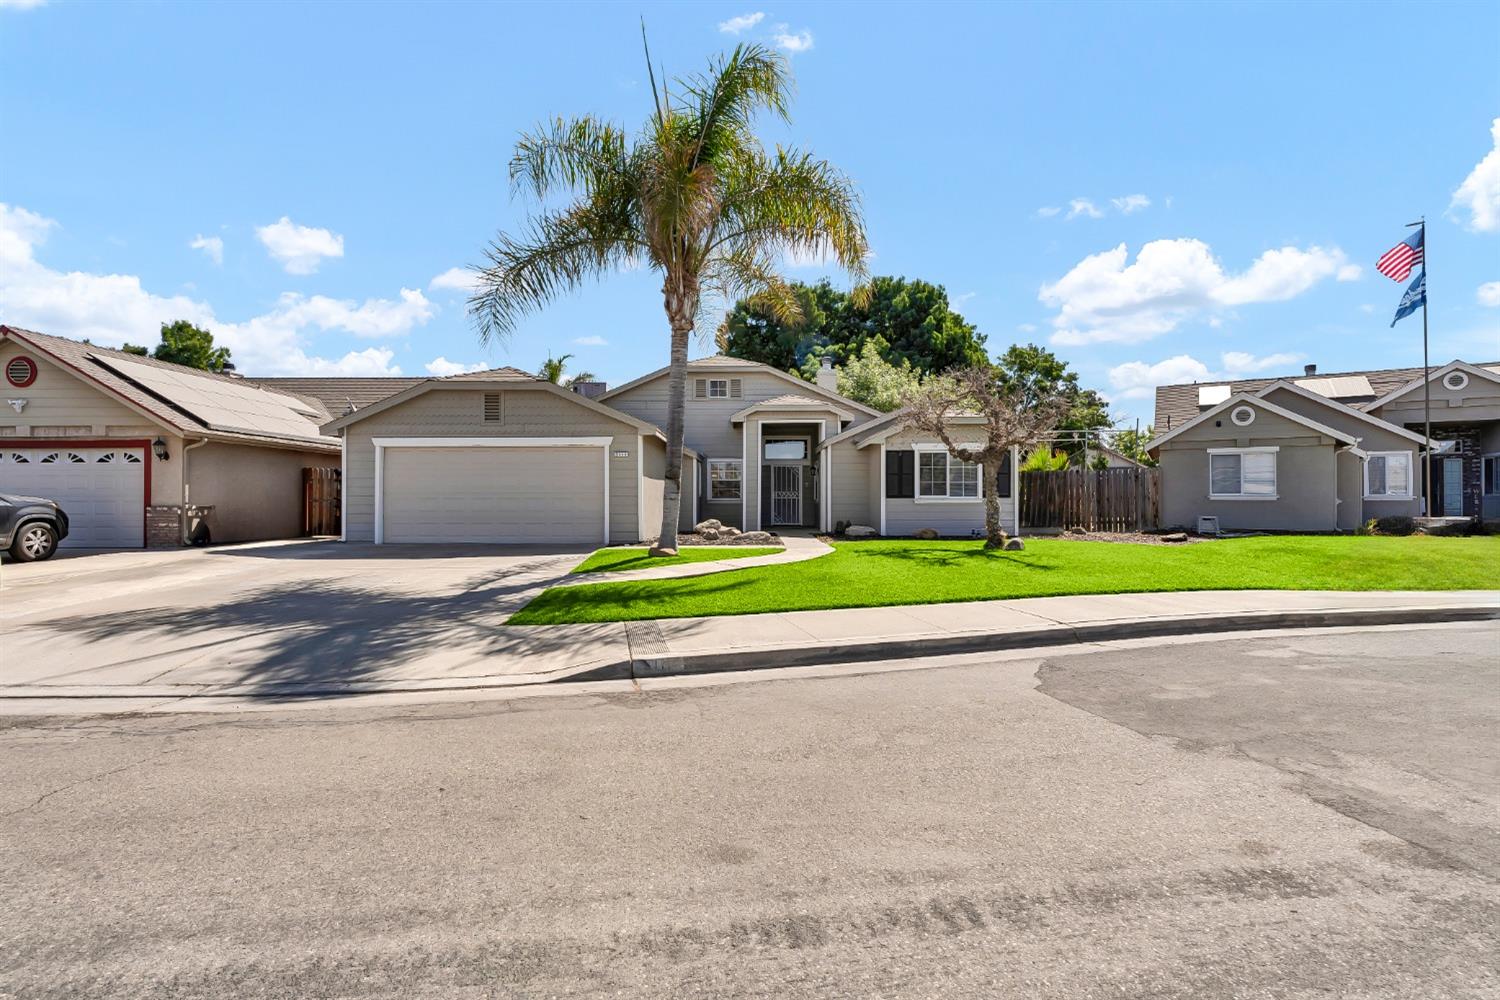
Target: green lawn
[878,573]
[619,559]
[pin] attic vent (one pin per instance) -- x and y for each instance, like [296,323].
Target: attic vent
[492,407]
[1456,380]
[20,372]
[734,388]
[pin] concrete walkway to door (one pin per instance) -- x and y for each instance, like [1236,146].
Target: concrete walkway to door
[799,548]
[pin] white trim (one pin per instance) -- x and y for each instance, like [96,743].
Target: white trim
[708,388]
[640,488]
[771,406]
[1343,408]
[760,460]
[883,488]
[744,494]
[710,474]
[1242,495]
[698,368]
[1247,411]
[825,518]
[1411,466]
[927,447]
[1463,381]
[1241,397]
[381,444]
[1486,457]
[1015,487]
[343,486]
[1439,374]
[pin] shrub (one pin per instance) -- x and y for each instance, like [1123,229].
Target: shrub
[1395,525]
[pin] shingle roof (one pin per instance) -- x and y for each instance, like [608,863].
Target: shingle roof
[89,361]
[336,393]
[1177,404]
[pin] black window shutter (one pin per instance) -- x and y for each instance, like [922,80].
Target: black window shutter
[900,475]
[1002,478]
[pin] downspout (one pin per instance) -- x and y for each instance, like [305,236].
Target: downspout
[186,493]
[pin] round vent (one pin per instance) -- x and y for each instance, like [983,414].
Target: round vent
[20,372]
[1242,416]
[1456,380]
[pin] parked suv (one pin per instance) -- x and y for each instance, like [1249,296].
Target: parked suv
[31,527]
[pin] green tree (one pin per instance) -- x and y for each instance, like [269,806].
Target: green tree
[552,369]
[1043,459]
[870,378]
[134,349]
[1132,443]
[911,320]
[182,343]
[1037,372]
[694,196]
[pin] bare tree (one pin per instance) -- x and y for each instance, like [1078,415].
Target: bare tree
[1015,416]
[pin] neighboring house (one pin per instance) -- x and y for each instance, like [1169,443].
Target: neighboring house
[516,459]
[126,444]
[1329,452]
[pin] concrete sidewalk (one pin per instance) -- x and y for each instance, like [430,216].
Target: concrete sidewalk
[532,655]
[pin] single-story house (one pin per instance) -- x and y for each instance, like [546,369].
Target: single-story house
[487,458]
[129,445]
[1328,453]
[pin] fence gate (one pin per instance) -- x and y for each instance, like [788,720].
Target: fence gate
[1099,500]
[322,490]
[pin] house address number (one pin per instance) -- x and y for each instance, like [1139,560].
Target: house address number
[622,454]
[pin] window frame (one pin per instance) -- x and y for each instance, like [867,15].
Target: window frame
[1489,473]
[708,391]
[950,462]
[1272,450]
[739,480]
[1411,464]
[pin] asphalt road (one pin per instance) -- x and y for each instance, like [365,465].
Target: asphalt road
[1303,816]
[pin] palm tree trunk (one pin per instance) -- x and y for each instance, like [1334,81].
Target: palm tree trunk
[680,313]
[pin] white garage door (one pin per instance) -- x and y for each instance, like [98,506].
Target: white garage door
[509,495]
[102,490]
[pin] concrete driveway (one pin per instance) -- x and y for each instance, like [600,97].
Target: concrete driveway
[270,614]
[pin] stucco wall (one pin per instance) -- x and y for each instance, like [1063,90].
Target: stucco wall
[256,492]
[1479,400]
[458,412]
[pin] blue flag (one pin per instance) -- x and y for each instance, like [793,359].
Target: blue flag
[1414,299]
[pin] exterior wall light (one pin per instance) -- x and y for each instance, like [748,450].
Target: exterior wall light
[159,449]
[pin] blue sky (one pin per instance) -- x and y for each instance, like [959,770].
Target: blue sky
[1159,192]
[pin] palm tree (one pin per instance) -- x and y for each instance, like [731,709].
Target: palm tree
[694,195]
[552,369]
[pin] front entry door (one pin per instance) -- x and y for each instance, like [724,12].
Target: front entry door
[1453,487]
[786,494]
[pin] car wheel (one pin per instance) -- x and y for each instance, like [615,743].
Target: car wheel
[33,543]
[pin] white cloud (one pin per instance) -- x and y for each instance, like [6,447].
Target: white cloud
[1479,194]
[111,308]
[1105,298]
[1026,328]
[457,279]
[212,247]
[22,4]
[744,22]
[441,366]
[299,249]
[1367,308]
[591,341]
[1047,211]
[792,42]
[372,318]
[1138,380]
[1489,294]
[1083,207]
[1349,272]
[1131,203]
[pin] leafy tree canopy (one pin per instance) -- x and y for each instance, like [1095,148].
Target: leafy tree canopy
[1132,443]
[1037,373]
[182,343]
[909,319]
[870,378]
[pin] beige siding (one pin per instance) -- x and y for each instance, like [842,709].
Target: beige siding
[256,492]
[851,484]
[458,412]
[653,480]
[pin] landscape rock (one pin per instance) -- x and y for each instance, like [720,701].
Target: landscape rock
[1078,529]
[926,534]
[755,538]
[1176,536]
[859,531]
[729,531]
[1014,545]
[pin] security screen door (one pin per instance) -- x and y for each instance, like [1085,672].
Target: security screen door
[786,494]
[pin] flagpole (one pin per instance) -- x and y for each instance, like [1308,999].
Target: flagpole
[1426,383]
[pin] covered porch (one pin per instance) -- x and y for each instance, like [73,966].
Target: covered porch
[786,475]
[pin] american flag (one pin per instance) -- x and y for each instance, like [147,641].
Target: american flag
[1398,261]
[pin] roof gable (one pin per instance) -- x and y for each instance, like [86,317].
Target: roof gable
[719,363]
[1439,374]
[1254,401]
[1339,407]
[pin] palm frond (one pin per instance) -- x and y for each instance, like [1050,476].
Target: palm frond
[583,153]
[724,101]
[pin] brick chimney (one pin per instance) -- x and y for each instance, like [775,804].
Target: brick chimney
[828,378]
[1309,370]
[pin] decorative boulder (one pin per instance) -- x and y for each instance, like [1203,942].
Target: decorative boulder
[1176,536]
[729,531]
[1014,545]
[926,534]
[712,524]
[859,531]
[756,538]
[1078,529]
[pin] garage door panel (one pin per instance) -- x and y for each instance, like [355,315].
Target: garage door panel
[504,495]
[102,490]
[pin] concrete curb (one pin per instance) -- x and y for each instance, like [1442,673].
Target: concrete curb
[1032,638]
[650,656]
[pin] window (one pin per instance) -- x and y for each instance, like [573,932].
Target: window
[1491,478]
[1388,474]
[786,451]
[724,478]
[1242,473]
[900,475]
[940,476]
[105,458]
[20,372]
[718,388]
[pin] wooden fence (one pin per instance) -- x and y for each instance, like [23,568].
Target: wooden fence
[1099,500]
[321,506]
